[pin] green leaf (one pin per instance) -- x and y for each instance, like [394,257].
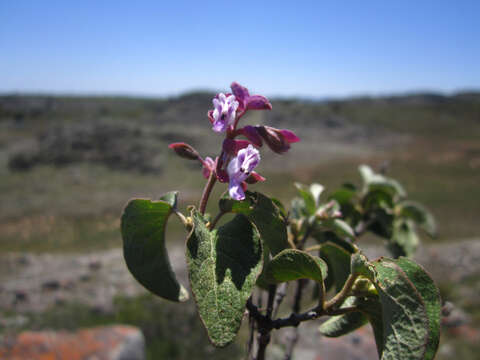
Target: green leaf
[409,305]
[378,199]
[430,296]
[375,181]
[280,206]
[422,217]
[342,195]
[307,196]
[343,324]
[340,228]
[298,209]
[170,198]
[404,241]
[143,230]
[223,266]
[329,236]
[346,197]
[265,215]
[292,264]
[383,224]
[338,260]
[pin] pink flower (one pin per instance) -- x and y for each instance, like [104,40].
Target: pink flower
[239,169]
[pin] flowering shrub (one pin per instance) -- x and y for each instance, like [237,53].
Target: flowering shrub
[265,248]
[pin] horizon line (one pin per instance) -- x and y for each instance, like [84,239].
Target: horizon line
[146,95]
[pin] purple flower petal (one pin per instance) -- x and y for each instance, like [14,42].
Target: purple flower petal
[236,191]
[224,112]
[240,168]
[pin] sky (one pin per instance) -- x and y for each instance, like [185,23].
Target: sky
[277,48]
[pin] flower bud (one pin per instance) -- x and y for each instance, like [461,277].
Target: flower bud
[258,102]
[254,178]
[278,140]
[250,132]
[184,150]
[208,167]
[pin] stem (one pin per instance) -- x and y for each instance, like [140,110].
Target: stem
[264,340]
[272,290]
[214,221]
[340,297]
[362,226]
[304,239]
[313,248]
[263,326]
[294,319]
[182,218]
[206,192]
[292,340]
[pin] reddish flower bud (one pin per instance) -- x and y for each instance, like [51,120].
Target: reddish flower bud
[208,167]
[247,101]
[184,150]
[290,136]
[258,102]
[254,178]
[276,139]
[241,94]
[250,132]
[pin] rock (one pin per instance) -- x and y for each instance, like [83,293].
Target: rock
[101,343]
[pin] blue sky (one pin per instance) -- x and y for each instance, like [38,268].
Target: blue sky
[303,48]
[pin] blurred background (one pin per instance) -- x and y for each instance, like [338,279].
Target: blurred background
[91,94]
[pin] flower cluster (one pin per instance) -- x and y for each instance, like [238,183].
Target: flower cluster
[238,157]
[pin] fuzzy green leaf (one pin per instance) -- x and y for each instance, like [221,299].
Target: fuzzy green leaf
[431,298]
[265,215]
[143,230]
[329,236]
[307,196]
[292,264]
[374,181]
[420,215]
[338,260]
[409,305]
[223,266]
[404,241]
[340,228]
[343,324]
